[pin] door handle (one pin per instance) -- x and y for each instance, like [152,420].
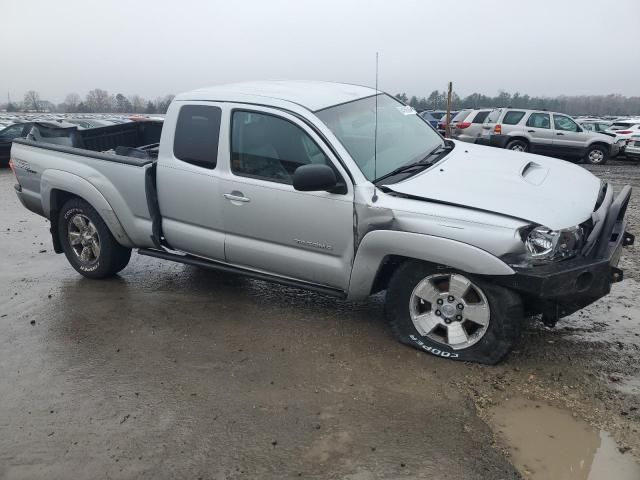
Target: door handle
[559,133]
[236,197]
[531,131]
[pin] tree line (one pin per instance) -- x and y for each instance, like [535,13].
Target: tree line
[96,101]
[101,101]
[612,104]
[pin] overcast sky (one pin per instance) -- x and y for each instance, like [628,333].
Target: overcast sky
[154,47]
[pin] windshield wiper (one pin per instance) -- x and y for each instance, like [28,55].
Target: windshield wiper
[421,164]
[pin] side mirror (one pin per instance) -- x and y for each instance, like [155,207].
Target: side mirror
[314,177]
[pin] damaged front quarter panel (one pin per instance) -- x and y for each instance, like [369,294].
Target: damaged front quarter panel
[385,226]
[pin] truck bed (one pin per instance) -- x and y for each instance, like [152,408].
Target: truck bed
[133,143]
[118,186]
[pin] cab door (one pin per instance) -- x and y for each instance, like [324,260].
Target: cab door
[188,181]
[269,225]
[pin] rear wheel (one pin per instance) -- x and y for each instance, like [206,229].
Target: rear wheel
[596,155]
[88,244]
[517,146]
[452,314]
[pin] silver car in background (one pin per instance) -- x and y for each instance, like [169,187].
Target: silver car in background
[633,147]
[546,133]
[466,126]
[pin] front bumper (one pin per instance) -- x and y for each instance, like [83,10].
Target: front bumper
[562,288]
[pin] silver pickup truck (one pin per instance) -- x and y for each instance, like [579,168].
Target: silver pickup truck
[343,190]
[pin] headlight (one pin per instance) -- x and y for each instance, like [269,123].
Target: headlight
[543,245]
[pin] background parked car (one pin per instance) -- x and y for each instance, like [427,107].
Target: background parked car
[85,123]
[432,117]
[603,126]
[467,125]
[6,137]
[546,133]
[633,147]
[596,125]
[442,124]
[625,129]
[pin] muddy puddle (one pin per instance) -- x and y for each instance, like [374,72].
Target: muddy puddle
[614,319]
[548,443]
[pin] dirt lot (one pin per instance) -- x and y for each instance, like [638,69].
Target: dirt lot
[173,372]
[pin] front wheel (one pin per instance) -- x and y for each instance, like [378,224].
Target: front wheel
[451,314]
[88,244]
[597,155]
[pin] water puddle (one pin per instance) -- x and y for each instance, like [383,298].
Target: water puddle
[548,443]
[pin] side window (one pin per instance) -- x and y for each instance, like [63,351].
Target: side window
[270,148]
[196,136]
[560,122]
[512,117]
[539,120]
[590,126]
[480,116]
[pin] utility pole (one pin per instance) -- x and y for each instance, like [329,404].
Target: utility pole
[448,125]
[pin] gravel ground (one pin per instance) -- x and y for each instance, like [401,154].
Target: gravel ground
[169,371]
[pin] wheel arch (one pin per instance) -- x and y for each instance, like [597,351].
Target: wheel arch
[59,187]
[381,252]
[519,137]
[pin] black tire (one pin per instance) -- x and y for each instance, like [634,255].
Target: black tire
[517,145]
[503,330]
[600,159]
[112,256]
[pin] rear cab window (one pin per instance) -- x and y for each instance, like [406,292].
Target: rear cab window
[196,136]
[512,117]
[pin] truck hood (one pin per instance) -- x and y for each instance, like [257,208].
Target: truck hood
[538,189]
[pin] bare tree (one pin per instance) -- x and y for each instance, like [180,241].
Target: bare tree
[99,100]
[137,103]
[32,100]
[164,102]
[71,102]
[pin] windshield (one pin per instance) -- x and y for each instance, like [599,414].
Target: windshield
[402,137]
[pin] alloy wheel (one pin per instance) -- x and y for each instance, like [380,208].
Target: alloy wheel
[450,309]
[84,239]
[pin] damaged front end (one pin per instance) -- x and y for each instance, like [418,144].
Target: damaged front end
[556,289]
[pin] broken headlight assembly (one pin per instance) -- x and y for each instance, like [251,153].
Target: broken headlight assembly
[544,245]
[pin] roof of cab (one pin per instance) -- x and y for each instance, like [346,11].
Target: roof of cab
[312,95]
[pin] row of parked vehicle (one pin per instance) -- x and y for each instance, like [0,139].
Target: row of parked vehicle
[14,126]
[593,140]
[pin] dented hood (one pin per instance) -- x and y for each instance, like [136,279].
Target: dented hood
[542,190]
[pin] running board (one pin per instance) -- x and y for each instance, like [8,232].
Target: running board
[224,267]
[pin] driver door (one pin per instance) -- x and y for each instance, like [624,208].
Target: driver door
[569,138]
[269,225]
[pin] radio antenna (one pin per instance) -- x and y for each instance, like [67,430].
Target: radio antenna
[375,135]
